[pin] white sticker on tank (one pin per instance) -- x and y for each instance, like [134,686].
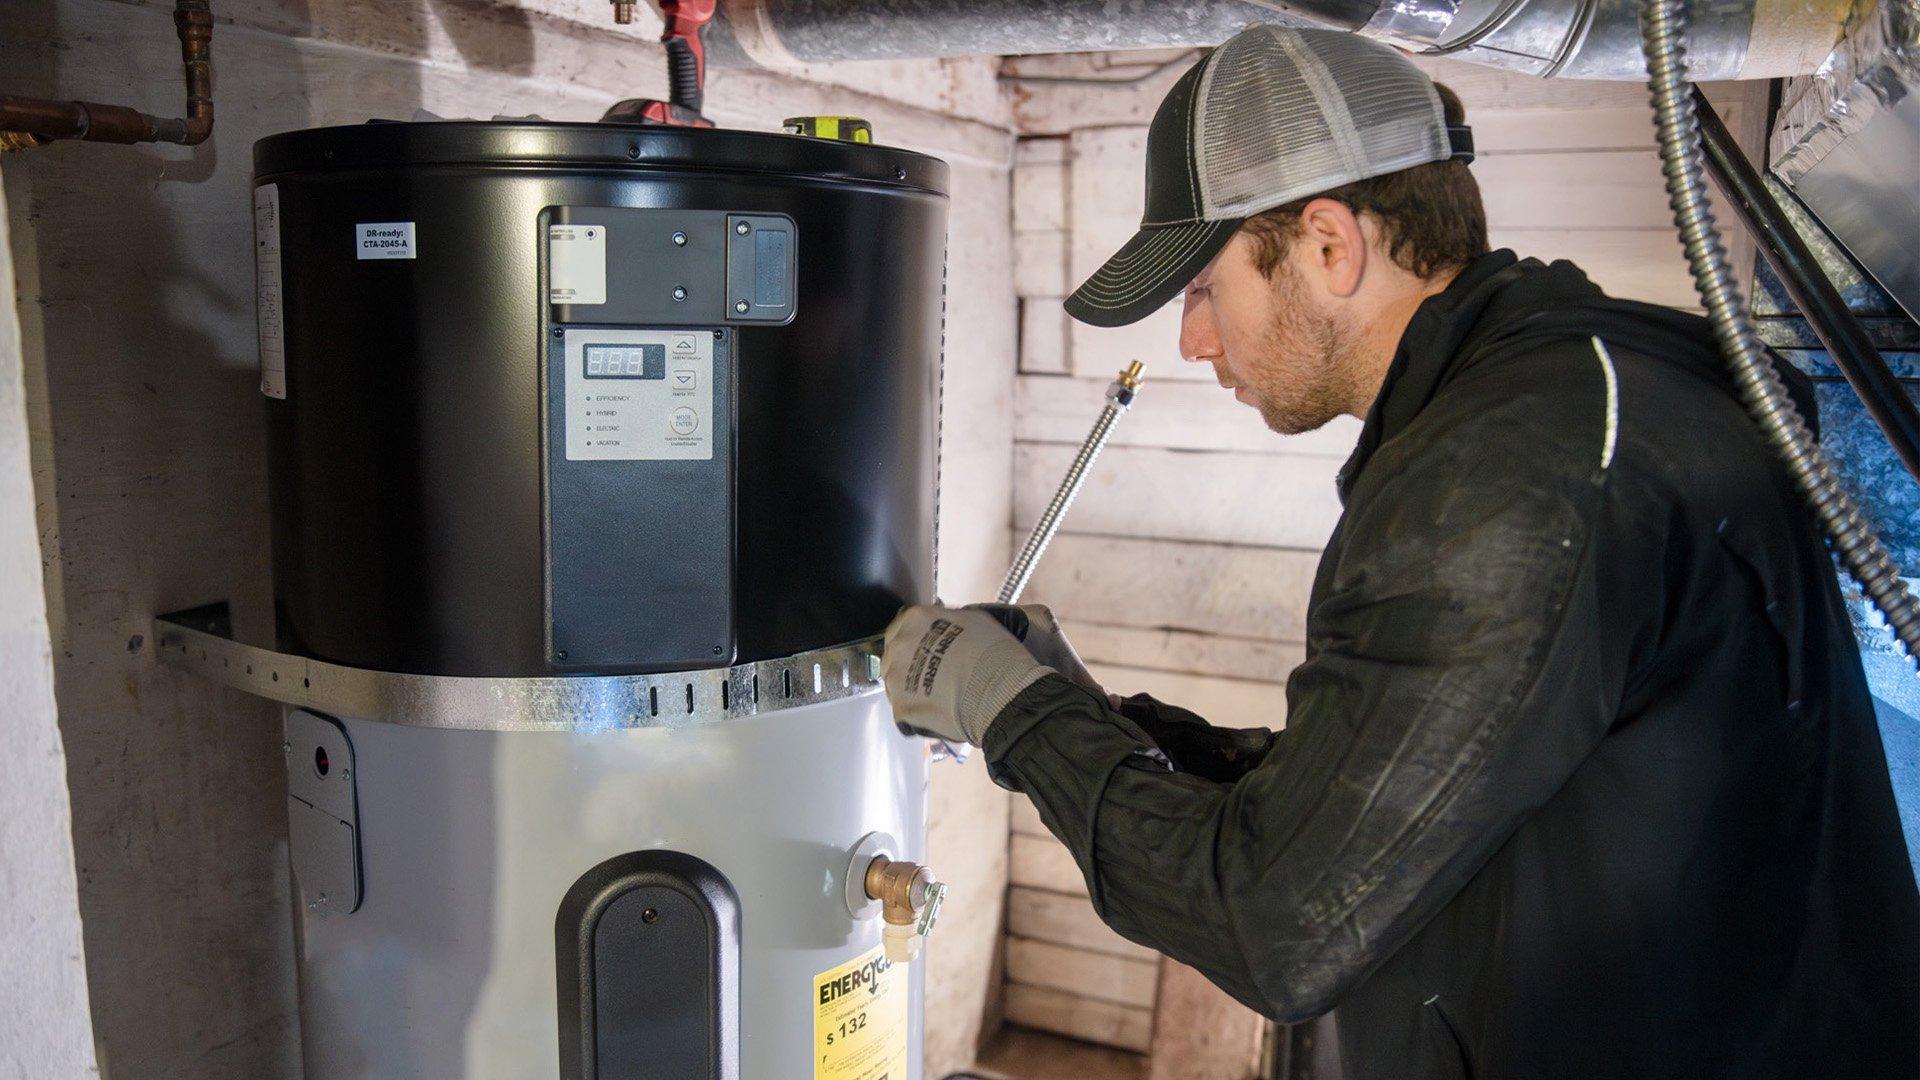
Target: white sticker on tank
[267,308]
[383,240]
[576,264]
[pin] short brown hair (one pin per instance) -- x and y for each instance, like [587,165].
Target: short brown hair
[1430,214]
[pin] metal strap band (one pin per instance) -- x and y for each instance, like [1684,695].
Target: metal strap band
[586,703]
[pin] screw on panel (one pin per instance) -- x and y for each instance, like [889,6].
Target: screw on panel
[742,228]
[679,239]
[634,152]
[899,172]
[679,292]
[741,306]
[558,332]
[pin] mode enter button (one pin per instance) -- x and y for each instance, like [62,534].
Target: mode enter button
[684,420]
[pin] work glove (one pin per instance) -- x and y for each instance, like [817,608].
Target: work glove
[950,672]
[1040,632]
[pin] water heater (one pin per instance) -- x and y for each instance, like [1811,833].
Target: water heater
[600,456]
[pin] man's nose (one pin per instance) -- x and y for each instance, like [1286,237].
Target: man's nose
[1199,338]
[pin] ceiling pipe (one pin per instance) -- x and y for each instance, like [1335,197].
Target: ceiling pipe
[26,121]
[1573,39]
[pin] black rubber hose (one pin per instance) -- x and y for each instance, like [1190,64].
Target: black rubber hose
[1799,270]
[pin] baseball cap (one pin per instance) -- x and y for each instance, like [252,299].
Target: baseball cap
[1273,115]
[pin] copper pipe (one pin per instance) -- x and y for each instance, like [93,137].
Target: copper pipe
[30,121]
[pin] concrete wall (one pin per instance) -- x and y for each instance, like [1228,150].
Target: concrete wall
[44,1028]
[136,299]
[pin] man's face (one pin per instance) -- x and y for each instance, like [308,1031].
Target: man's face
[1277,345]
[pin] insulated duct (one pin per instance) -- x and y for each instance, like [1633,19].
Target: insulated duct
[1574,39]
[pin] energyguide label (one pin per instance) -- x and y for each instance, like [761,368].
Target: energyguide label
[860,1020]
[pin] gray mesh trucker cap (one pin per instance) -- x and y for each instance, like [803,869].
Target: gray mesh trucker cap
[1273,115]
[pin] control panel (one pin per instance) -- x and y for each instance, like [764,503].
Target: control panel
[643,307]
[638,395]
[639,498]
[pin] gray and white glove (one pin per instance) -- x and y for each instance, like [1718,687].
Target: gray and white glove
[950,672]
[1040,632]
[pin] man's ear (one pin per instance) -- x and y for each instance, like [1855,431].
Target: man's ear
[1335,247]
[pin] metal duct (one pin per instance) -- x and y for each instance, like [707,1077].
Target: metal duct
[1575,39]
[1847,139]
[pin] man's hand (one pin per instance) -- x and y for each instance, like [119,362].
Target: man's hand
[1040,632]
[949,672]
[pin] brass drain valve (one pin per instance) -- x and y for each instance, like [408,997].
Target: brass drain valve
[910,898]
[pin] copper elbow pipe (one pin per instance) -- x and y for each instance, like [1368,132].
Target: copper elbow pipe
[30,121]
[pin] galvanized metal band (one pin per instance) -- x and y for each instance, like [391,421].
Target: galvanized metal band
[588,703]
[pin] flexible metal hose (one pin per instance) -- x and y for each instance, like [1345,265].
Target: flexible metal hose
[1049,523]
[1120,397]
[1662,26]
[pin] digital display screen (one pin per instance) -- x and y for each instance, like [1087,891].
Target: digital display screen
[643,361]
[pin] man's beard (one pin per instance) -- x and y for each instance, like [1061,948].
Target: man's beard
[1311,385]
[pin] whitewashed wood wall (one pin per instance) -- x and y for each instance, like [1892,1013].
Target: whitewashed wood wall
[1185,566]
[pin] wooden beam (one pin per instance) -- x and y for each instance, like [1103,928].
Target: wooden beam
[1065,920]
[1082,1018]
[1208,588]
[1267,500]
[1173,414]
[1114,979]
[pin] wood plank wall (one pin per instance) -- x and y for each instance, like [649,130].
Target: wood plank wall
[1184,568]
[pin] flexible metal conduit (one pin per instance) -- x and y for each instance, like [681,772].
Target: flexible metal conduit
[1120,395]
[1662,26]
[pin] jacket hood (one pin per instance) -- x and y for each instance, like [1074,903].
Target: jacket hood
[1502,303]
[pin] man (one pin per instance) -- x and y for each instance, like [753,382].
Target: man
[1580,777]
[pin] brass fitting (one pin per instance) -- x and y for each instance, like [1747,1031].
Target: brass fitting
[623,11]
[910,898]
[900,887]
[19,140]
[1131,378]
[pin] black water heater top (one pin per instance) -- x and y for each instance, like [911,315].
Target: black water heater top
[590,398]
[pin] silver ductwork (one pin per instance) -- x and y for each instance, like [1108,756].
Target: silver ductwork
[1847,142]
[1572,39]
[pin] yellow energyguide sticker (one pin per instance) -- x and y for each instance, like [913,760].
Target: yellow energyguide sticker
[860,1020]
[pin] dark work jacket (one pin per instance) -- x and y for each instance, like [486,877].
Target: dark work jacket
[1580,777]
